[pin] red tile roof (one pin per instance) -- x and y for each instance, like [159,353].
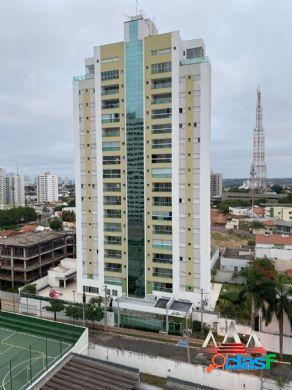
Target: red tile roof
[29,228]
[269,223]
[273,239]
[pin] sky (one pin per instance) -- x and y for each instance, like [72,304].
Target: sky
[44,43]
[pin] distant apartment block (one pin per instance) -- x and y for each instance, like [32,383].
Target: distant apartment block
[142,133]
[47,188]
[27,257]
[279,212]
[15,195]
[216,185]
[2,188]
[11,190]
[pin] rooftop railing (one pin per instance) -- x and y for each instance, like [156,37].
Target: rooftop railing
[190,61]
[82,77]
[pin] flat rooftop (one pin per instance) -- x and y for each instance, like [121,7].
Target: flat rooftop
[240,253]
[29,239]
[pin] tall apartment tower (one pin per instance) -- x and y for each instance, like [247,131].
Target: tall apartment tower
[47,188]
[258,170]
[142,136]
[216,185]
[2,188]
[15,190]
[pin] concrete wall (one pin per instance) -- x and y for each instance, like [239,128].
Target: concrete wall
[229,263]
[226,277]
[217,379]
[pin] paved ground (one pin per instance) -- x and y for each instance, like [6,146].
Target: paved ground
[148,347]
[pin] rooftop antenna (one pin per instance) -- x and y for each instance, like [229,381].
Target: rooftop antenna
[137,2]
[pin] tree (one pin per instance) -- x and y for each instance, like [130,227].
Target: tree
[94,312]
[56,306]
[279,304]
[74,311]
[278,189]
[17,215]
[71,203]
[56,223]
[68,216]
[257,284]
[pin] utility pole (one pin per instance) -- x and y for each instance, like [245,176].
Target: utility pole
[202,308]
[105,308]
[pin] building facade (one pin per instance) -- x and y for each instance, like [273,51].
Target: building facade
[142,136]
[2,188]
[47,188]
[216,185]
[27,257]
[283,213]
[15,195]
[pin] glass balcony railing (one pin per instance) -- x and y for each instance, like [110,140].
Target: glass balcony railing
[82,77]
[198,60]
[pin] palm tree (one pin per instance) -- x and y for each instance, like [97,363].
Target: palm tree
[279,304]
[259,277]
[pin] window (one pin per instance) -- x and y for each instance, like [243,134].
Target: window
[161,129]
[109,146]
[162,229]
[113,267]
[109,118]
[111,187]
[161,83]
[110,160]
[161,67]
[162,258]
[111,173]
[112,200]
[162,272]
[161,143]
[112,253]
[161,187]
[112,227]
[161,172]
[162,113]
[161,158]
[112,213]
[89,289]
[112,240]
[107,104]
[161,98]
[195,52]
[161,201]
[109,75]
[159,52]
[162,215]
[111,132]
[110,89]
[167,287]
[162,244]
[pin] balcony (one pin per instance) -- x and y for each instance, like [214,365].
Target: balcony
[191,61]
[82,77]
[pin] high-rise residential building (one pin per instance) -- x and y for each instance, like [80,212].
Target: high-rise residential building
[142,136]
[47,188]
[216,185]
[15,195]
[2,188]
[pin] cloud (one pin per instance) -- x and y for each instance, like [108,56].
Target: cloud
[43,44]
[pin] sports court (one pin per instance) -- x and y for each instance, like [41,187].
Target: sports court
[29,346]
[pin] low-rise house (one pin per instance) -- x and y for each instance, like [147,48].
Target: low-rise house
[275,247]
[234,260]
[248,212]
[232,223]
